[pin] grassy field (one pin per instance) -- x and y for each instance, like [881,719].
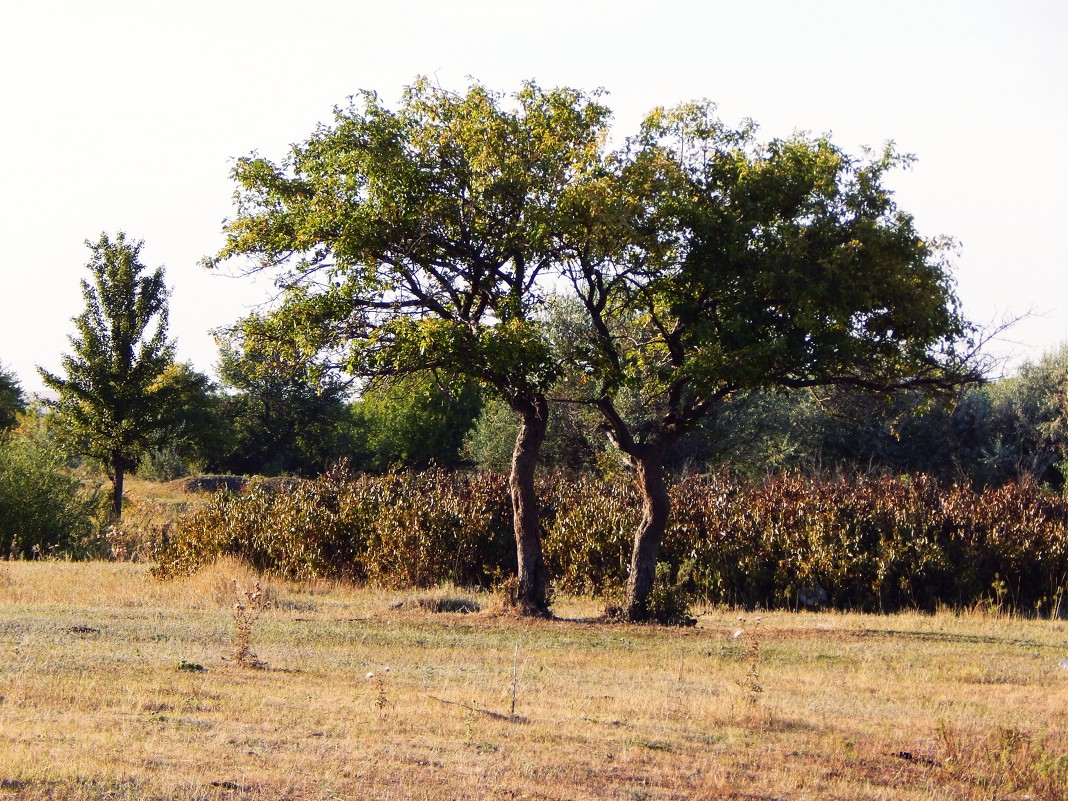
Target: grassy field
[115,686]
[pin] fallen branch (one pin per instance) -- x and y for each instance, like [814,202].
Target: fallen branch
[487,712]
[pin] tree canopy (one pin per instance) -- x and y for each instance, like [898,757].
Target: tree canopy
[196,433]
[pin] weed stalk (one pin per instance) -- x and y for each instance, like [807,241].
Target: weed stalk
[250,605]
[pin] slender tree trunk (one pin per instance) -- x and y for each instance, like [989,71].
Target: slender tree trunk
[116,498]
[656,507]
[531,595]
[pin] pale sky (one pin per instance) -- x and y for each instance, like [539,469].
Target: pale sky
[126,115]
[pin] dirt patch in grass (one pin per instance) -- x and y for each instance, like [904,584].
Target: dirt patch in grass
[447,605]
[207,484]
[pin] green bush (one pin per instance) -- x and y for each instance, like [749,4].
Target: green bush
[165,463]
[45,510]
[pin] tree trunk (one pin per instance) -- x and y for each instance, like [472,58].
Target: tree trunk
[656,506]
[533,413]
[116,498]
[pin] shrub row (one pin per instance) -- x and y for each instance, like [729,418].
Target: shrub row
[866,542]
[398,530]
[872,543]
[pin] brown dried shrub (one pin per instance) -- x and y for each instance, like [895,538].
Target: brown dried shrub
[872,543]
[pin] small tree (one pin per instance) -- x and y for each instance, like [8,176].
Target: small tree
[1017,425]
[196,433]
[112,405]
[12,402]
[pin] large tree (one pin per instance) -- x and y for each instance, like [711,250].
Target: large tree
[415,239]
[111,403]
[710,264]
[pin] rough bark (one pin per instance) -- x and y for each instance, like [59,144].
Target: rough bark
[531,593]
[116,497]
[648,462]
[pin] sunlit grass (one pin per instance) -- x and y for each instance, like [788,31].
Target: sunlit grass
[99,701]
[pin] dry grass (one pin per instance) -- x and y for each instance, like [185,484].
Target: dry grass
[364,696]
[150,509]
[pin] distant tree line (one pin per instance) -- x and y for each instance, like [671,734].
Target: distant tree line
[286,422]
[289,424]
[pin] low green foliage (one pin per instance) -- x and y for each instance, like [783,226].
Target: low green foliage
[864,542]
[165,463]
[44,509]
[669,601]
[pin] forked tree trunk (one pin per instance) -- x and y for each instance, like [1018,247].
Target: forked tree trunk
[656,506]
[531,595]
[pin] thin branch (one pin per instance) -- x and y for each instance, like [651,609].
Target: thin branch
[481,711]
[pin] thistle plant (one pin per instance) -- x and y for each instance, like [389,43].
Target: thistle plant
[380,699]
[751,683]
[250,604]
